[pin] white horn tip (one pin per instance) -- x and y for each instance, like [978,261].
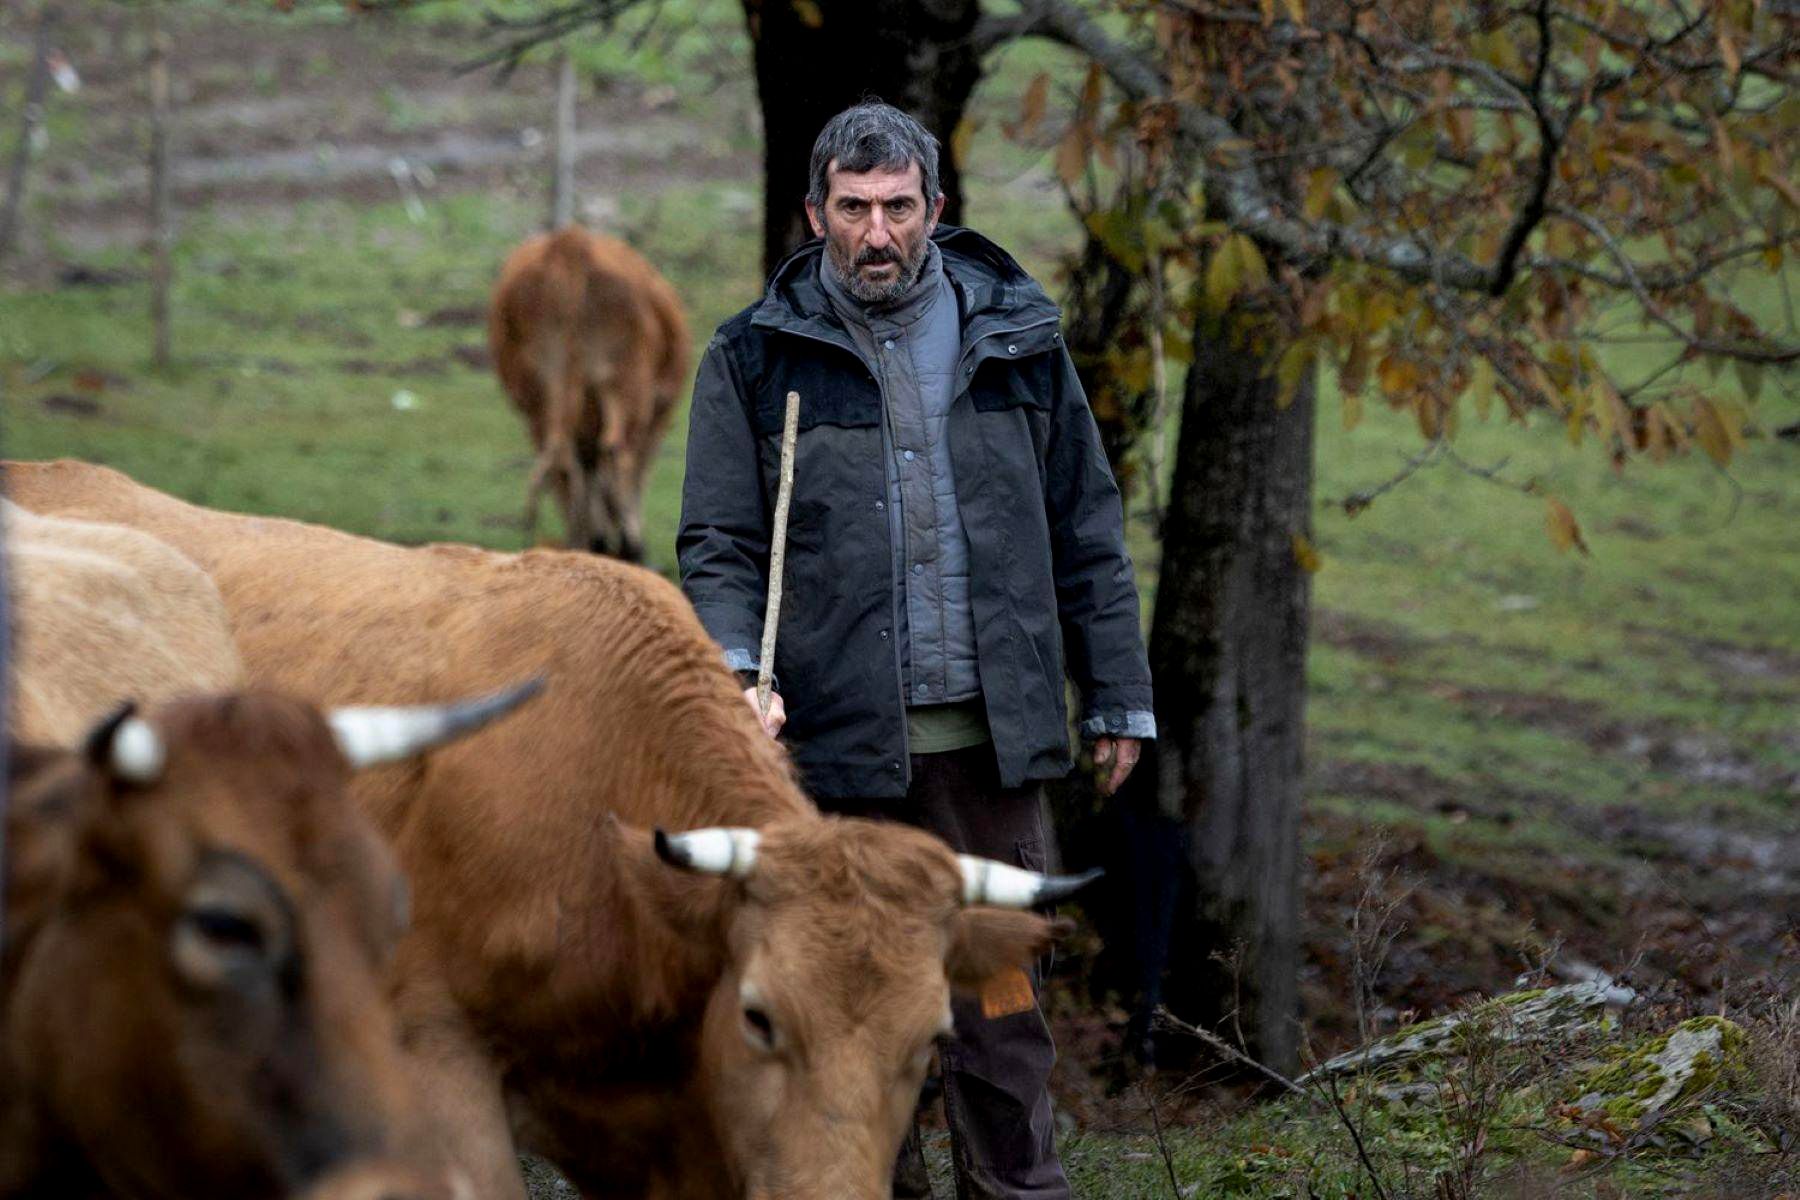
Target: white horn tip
[137,752]
[988,882]
[717,851]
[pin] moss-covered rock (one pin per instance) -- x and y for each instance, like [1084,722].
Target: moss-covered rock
[1532,1015]
[1684,1064]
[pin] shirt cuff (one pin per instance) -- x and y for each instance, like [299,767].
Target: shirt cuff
[745,663]
[1135,724]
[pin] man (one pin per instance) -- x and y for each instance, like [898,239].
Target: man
[955,538]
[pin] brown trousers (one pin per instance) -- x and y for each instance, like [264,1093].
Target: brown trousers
[996,1072]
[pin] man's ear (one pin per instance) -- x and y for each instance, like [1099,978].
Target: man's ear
[815,219]
[937,210]
[987,941]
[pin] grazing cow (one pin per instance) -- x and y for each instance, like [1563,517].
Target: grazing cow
[742,1010]
[592,348]
[101,614]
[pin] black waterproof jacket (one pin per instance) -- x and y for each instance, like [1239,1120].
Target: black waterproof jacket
[1051,583]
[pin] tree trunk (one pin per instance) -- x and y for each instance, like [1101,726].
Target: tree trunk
[31,117]
[815,58]
[562,192]
[1228,652]
[161,229]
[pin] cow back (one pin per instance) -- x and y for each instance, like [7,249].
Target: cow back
[102,614]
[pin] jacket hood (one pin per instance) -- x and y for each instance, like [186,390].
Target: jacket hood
[988,280]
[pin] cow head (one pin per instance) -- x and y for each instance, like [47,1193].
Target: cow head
[197,923]
[843,940]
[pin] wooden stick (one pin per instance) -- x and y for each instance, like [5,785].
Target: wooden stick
[765,671]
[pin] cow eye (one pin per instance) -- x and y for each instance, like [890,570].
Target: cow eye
[758,1027]
[227,930]
[234,925]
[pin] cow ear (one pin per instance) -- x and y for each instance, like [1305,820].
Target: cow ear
[690,904]
[52,798]
[986,943]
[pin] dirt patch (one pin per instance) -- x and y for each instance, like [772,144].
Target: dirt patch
[1382,641]
[65,404]
[474,357]
[1693,755]
[1422,788]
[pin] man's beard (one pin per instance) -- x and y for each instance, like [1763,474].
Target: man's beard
[867,291]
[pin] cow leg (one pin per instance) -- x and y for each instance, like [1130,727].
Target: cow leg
[534,496]
[464,1110]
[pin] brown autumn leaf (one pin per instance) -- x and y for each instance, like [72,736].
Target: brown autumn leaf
[1291,369]
[1711,431]
[1565,534]
[1031,109]
[1071,154]
[961,138]
[1225,273]
[1307,555]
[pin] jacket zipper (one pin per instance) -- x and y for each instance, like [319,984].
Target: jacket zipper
[894,585]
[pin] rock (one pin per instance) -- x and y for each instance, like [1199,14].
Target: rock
[1681,1065]
[1517,1016]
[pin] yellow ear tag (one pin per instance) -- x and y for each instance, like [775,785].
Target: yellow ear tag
[1007,993]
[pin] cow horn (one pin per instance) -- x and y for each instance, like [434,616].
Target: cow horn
[717,851]
[369,736]
[126,747]
[988,882]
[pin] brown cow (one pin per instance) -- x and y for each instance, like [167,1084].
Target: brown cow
[197,922]
[592,348]
[100,614]
[757,1025]
[196,915]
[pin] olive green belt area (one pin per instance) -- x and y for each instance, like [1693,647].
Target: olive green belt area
[937,728]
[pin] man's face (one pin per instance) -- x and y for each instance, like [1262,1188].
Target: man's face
[876,225]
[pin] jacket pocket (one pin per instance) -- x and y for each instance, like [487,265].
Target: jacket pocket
[829,395]
[1004,383]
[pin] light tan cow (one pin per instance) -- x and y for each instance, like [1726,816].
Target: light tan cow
[742,1011]
[591,345]
[103,614]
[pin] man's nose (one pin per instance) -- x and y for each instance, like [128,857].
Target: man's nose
[879,233]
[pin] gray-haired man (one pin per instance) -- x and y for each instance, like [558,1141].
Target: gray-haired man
[955,543]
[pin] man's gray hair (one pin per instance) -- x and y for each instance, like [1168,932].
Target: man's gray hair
[869,136]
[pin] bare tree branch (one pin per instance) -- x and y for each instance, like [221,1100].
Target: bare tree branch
[1549,142]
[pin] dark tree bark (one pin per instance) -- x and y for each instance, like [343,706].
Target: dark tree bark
[1099,315]
[817,58]
[1228,652]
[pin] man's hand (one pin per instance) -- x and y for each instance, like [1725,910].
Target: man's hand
[777,711]
[1122,753]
